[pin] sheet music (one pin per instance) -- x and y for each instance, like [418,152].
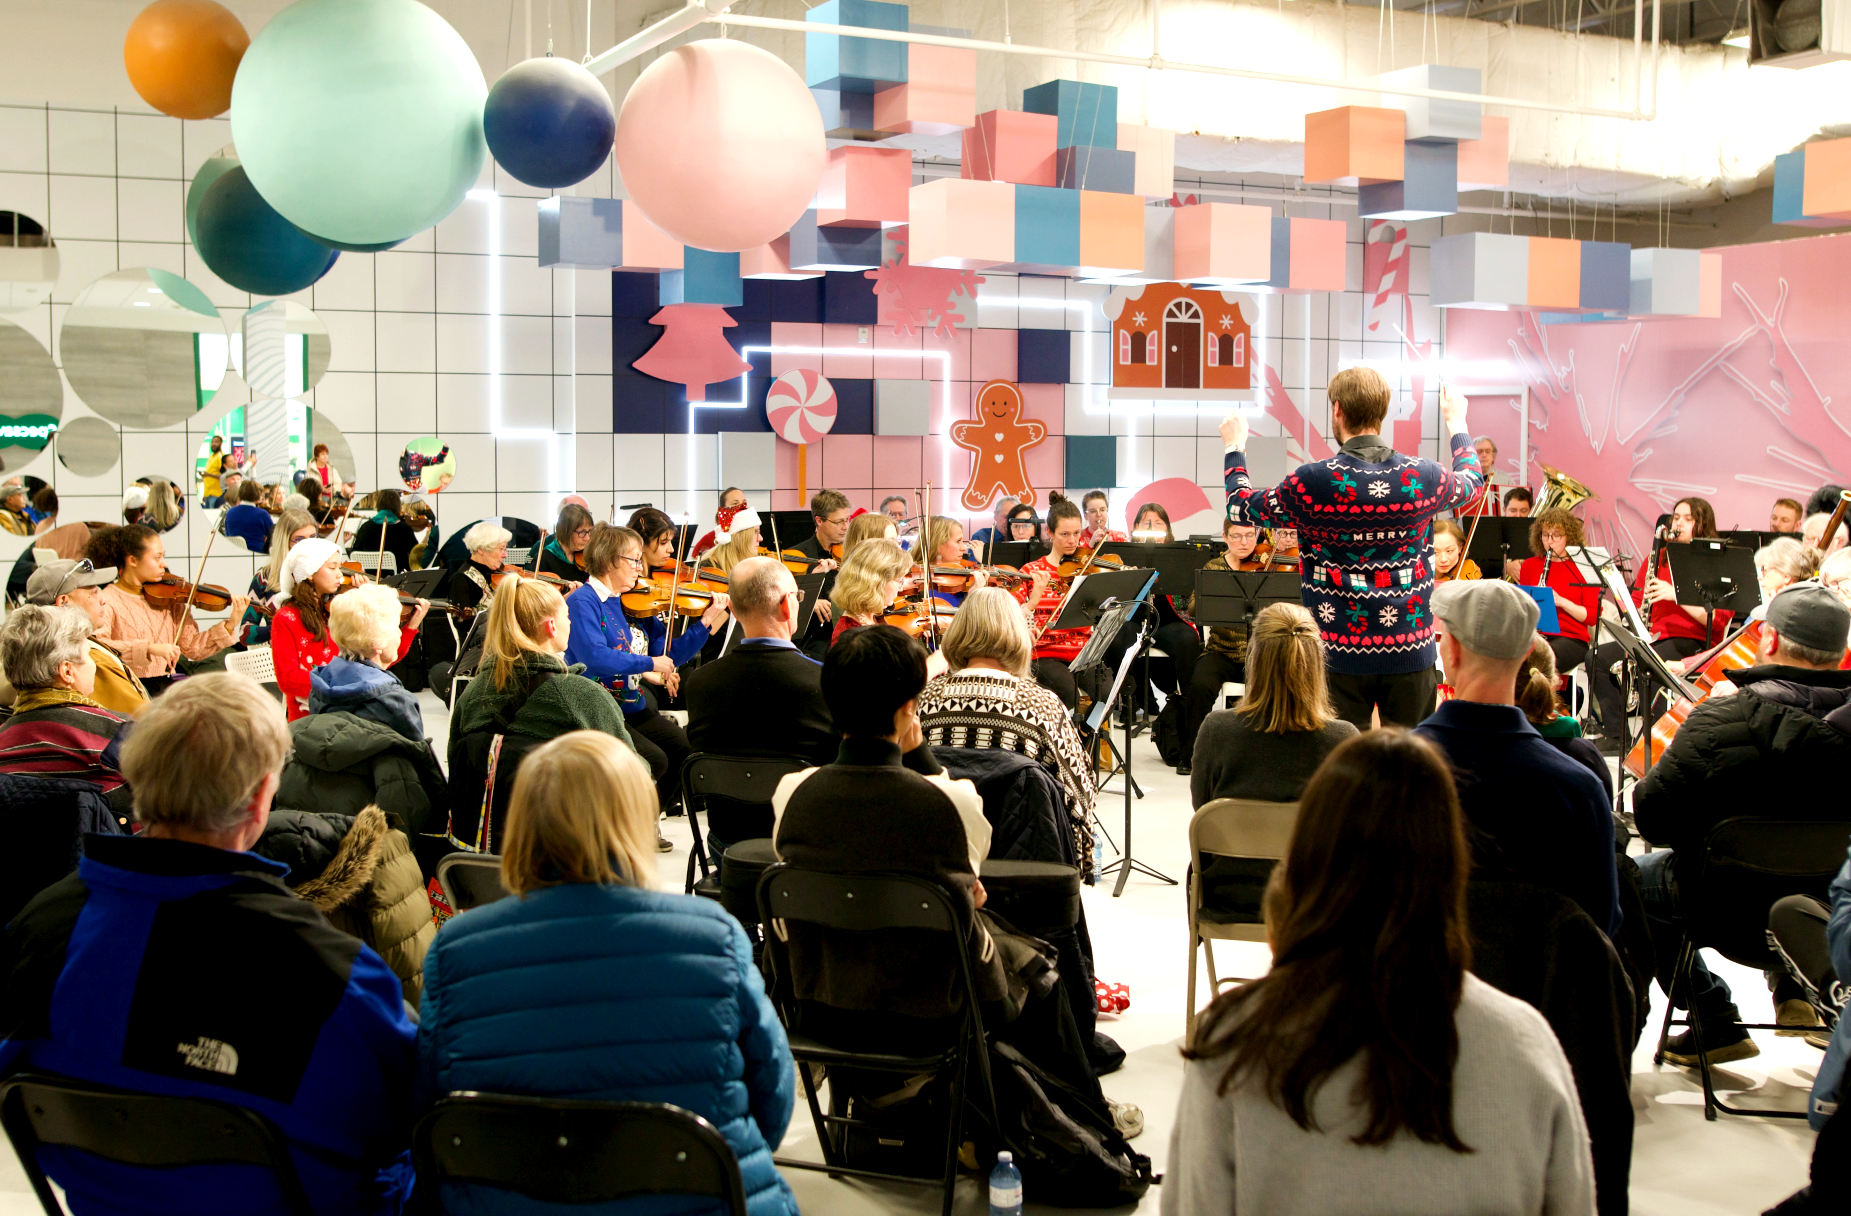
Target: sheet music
[1622,596]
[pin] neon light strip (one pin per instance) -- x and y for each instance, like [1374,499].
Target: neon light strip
[549,435]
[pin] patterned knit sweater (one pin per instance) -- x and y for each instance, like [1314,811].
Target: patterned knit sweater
[1364,520]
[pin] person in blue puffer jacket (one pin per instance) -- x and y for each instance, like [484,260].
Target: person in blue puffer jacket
[621,653]
[587,984]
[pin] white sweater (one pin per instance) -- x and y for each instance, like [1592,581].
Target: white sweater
[1514,1102]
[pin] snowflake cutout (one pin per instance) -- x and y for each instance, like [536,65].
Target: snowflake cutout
[1227,320]
[1388,615]
[920,297]
[1137,318]
[1378,489]
[1327,612]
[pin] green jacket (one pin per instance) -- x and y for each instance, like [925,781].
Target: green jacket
[565,703]
[341,764]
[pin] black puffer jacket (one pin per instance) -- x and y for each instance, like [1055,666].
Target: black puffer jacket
[1777,748]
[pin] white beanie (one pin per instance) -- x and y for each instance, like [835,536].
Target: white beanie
[300,565]
[135,496]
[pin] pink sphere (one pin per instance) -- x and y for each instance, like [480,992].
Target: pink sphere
[721,145]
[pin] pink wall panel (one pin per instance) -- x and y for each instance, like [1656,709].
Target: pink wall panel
[1046,404]
[992,354]
[849,357]
[899,460]
[958,345]
[847,465]
[1046,463]
[794,333]
[898,367]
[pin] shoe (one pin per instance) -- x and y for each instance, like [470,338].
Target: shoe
[1183,770]
[1128,1119]
[1797,1014]
[664,844]
[1727,1042]
[1822,1039]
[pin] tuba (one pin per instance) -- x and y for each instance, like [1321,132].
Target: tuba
[1562,491]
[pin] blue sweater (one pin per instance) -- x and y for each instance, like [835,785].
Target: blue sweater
[174,968]
[610,993]
[616,650]
[250,524]
[1364,520]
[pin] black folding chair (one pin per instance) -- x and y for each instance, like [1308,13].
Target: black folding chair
[152,1130]
[748,779]
[470,880]
[866,902]
[561,1150]
[1745,866]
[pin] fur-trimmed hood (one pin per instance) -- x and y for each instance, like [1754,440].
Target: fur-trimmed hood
[331,858]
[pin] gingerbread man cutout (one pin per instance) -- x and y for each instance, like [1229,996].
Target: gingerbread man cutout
[997,440]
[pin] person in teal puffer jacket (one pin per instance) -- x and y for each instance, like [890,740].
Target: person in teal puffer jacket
[588,984]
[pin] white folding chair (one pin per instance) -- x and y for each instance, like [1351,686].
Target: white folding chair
[257,663]
[1232,692]
[374,563]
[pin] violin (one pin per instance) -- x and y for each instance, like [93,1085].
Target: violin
[797,562]
[171,591]
[1085,561]
[918,620]
[1465,571]
[407,604]
[653,599]
[955,578]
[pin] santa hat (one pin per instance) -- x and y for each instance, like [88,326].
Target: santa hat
[734,519]
[300,565]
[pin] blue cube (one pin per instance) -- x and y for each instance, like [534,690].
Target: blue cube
[1430,187]
[819,248]
[1092,460]
[1047,228]
[1088,113]
[855,65]
[845,115]
[1606,276]
[1084,167]
[1790,187]
[1043,356]
[704,278]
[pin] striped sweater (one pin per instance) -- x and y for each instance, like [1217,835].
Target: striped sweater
[1365,530]
[56,732]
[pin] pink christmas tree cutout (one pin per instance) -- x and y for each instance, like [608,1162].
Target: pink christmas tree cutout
[693,351]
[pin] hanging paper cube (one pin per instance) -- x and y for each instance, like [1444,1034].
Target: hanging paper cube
[1812,185]
[1354,144]
[854,65]
[939,96]
[1431,117]
[1224,243]
[772,261]
[1429,187]
[1606,276]
[1484,163]
[1709,285]
[1088,168]
[1111,233]
[581,233]
[705,278]
[1155,175]
[645,246]
[1669,282]
[846,115]
[1159,260]
[1479,270]
[1308,255]
[1047,229]
[962,224]
[814,247]
[1088,113]
[1555,273]
[1010,146]
[864,188]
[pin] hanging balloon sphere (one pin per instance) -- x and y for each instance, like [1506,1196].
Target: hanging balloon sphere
[182,55]
[360,121]
[721,145]
[245,242]
[216,166]
[549,122]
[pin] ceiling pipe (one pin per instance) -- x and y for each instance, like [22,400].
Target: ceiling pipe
[670,26]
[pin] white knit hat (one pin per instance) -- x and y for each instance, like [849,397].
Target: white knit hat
[135,496]
[307,557]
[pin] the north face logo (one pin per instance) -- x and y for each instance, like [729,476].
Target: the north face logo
[210,1055]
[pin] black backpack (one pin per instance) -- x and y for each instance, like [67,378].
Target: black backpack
[1070,1152]
[482,773]
[1168,734]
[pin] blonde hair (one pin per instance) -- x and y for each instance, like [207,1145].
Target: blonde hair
[287,524]
[200,750]
[869,525]
[583,811]
[988,625]
[163,510]
[514,625]
[1286,690]
[1536,678]
[858,587]
[744,544]
[365,620]
[1789,557]
[932,537]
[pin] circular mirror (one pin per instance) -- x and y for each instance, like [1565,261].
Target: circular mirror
[156,501]
[427,464]
[288,347]
[277,442]
[88,447]
[143,348]
[28,262]
[31,396]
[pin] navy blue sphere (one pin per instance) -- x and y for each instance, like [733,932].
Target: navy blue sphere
[549,122]
[245,242]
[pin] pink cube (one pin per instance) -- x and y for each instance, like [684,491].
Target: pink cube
[939,96]
[1224,243]
[963,224]
[1155,174]
[1315,255]
[1709,285]
[645,246]
[1484,163]
[1355,145]
[1009,146]
[864,188]
[1111,233]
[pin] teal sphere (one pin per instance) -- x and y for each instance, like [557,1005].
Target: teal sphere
[360,120]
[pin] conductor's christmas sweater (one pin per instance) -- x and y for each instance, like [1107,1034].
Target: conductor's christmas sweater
[1365,533]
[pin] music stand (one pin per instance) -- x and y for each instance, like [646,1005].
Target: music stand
[793,527]
[1749,538]
[1235,597]
[1175,564]
[1498,538]
[1647,669]
[1721,575]
[419,584]
[1086,602]
[809,589]
[1017,553]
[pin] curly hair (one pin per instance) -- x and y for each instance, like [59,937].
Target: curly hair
[119,545]
[1557,517]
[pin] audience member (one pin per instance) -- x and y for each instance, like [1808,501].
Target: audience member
[13,517]
[988,699]
[77,584]
[589,984]
[247,520]
[1369,1061]
[386,531]
[1780,565]
[1813,939]
[166,505]
[177,962]
[1537,681]
[134,502]
[56,728]
[1539,817]
[43,510]
[1790,714]
[1785,516]
[1268,746]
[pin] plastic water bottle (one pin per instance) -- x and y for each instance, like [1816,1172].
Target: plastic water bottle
[1005,1187]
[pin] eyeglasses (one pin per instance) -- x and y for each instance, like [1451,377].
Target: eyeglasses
[624,557]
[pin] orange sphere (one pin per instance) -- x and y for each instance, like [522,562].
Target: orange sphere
[182,56]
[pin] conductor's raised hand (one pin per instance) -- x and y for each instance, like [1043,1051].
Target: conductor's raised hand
[1234,432]
[1452,409]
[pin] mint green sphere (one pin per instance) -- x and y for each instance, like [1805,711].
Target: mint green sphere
[360,120]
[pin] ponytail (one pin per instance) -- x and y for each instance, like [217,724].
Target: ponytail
[514,618]
[1536,695]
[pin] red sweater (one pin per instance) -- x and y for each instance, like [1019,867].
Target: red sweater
[1669,620]
[295,654]
[1564,577]
[1062,644]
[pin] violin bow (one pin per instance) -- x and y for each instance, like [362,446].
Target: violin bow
[1078,574]
[187,610]
[1466,556]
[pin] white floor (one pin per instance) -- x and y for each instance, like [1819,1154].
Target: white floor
[1682,1165]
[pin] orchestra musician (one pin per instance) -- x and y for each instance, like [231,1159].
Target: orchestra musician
[659,535]
[299,636]
[869,525]
[1486,502]
[830,510]
[731,496]
[1025,525]
[873,576]
[1551,535]
[1518,502]
[151,638]
[473,584]
[292,528]
[1224,654]
[1099,530]
[735,539]
[564,552]
[386,530]
[1785,516]
[1056,648]
[944,545]
[1449,560]
[1174,635]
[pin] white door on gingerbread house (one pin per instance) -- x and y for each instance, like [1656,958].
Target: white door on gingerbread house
[1182,345]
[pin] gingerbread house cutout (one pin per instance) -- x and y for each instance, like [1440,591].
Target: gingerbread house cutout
[1174,342]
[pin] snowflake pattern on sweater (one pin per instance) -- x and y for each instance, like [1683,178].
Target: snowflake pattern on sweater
[1365,532]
